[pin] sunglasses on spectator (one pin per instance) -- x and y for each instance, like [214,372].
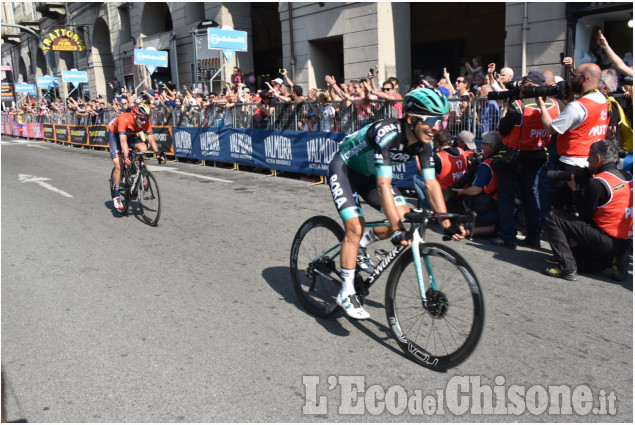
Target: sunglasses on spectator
[385,88]
[460,81]
[431,120]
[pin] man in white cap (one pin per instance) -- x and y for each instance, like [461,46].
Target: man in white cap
[465,141]
[275,84]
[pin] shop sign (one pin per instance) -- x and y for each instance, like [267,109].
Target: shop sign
[63,40]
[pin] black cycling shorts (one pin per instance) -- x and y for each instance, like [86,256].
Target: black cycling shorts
[347,185]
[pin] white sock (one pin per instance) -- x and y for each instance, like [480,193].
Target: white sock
[348,285]
[368,238]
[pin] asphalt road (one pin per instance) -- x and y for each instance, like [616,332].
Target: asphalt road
[105,319]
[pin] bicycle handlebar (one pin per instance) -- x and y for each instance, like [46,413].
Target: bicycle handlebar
[469,220]
[145,153]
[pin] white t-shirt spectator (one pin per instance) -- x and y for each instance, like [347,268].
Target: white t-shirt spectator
[327,115]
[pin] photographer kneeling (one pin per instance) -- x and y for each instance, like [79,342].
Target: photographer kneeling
[481,196]
[601,234]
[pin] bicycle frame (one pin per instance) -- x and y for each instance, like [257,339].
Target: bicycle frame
[392,256]
[138,159]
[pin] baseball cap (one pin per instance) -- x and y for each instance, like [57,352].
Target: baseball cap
[534,77]
[277,80]
[468,138]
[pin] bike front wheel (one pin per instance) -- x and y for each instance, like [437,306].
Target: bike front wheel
[314,262]
[149,198]
[124,192]
[442,331]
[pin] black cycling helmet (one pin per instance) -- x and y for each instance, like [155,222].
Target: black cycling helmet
[426,102]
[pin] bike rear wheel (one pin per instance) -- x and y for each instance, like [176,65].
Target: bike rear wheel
[149,198]
[314,263]
[444,331]
[124,192]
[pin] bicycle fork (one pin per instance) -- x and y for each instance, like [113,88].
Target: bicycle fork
[416,241]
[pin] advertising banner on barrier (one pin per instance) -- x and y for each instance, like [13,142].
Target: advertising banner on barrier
[25,130]
[163,136]
[16,129]
[78,134]
[97,136]
[61,133]
[36,130]
[48,131]
[293,151]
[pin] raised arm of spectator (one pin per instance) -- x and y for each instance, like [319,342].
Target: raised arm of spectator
[188,95]
[377,93]
[335,91]
[377,76]
[617,61]
[568,63]
[492,79]
[283,98]
[128,97]
[169,93]
[372,85]
[286,78]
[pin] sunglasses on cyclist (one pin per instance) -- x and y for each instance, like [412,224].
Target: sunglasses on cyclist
[431,120]
[142,119]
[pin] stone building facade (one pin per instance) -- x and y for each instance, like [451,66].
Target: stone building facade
[310,40]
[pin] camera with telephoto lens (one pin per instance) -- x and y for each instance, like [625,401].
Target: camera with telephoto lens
[581,177]
[515,90]
[626,80]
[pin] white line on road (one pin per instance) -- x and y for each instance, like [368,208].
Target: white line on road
[172,170]
[25,178]
[37,146]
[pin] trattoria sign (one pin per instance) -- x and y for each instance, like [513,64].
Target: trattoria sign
[63,40]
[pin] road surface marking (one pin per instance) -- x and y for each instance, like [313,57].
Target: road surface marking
[25,178]
[172,170]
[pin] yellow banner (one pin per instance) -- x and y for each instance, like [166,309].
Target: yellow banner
[63,40]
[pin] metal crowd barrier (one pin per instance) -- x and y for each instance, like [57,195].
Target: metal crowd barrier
[478,116]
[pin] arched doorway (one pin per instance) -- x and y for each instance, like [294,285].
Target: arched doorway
[40,64]
[156,33]
[103,64]
[23,75]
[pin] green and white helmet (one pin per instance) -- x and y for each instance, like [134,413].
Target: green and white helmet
[426,102]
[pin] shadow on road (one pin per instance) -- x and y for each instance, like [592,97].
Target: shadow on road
[279,278]
[534,260]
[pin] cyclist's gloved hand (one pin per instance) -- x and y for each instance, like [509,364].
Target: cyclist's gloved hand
[400,236]
[126,161]
[451,230]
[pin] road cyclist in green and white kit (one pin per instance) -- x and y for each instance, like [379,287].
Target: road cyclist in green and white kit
[363,166]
